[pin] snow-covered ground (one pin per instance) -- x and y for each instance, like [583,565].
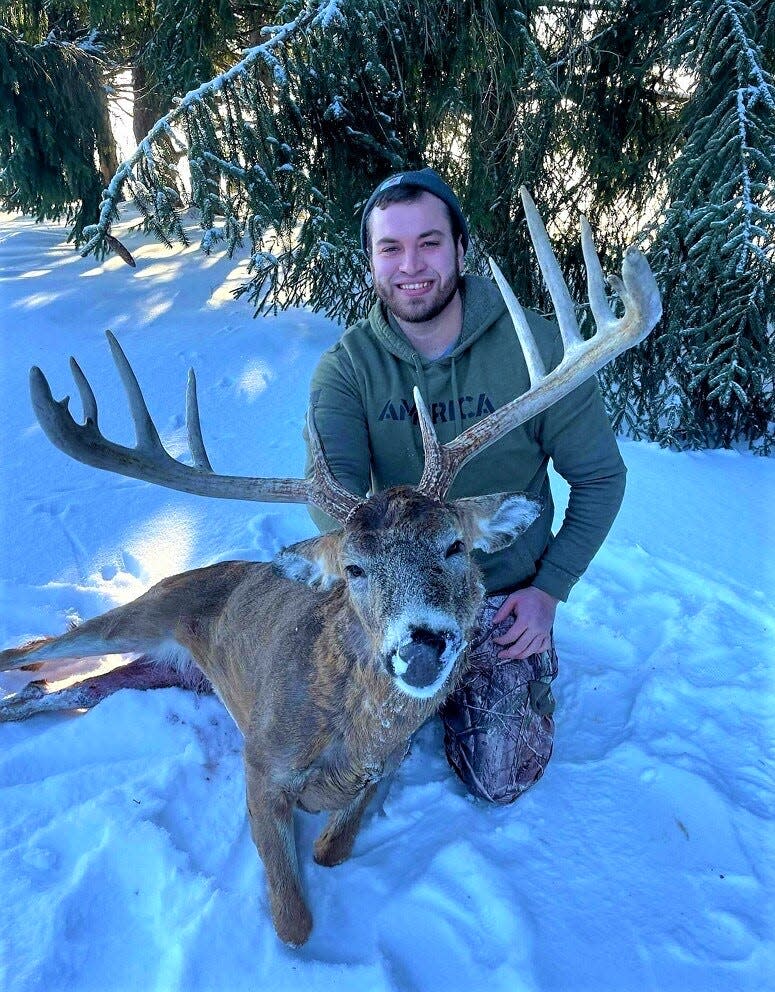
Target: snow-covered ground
[642,861]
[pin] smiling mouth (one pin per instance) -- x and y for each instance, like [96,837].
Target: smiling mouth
[415,286]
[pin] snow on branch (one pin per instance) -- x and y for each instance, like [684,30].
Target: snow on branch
[325,13]
[763,88]
[329,15]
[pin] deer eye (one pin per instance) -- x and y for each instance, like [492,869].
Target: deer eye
[354,571]
[456,548]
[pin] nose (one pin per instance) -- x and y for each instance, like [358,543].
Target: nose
[411,261]
[422,655]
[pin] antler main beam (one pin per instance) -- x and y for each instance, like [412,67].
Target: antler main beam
[150,461]
[637,289]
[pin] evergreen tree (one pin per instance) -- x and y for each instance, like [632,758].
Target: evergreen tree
[57,61]
[626,111]
[707,378]
[53,125]
[284,147]
[172,46]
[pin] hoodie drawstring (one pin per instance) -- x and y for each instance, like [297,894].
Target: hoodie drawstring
[455,398]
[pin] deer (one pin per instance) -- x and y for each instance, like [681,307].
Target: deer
[332,655]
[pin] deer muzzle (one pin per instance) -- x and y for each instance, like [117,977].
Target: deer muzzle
[423,660]
[422,657]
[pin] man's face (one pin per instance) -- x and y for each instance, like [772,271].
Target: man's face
[415,263]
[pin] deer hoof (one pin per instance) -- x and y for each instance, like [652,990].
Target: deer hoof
[293,924]
[332,851]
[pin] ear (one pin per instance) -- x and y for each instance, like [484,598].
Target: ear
[494,522]
[314,562]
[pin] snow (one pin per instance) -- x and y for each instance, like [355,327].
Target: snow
[642,861]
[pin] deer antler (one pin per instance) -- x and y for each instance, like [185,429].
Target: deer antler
[151,462]
[642,309]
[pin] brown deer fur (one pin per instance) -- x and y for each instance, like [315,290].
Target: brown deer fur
[305,656]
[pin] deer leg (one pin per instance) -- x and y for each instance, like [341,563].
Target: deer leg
[271,825]
[38,696]
[335,843]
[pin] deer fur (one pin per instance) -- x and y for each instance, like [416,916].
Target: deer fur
[306,654]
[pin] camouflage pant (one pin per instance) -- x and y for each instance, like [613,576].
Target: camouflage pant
[498,726]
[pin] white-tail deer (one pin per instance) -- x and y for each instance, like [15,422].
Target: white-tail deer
[331,656]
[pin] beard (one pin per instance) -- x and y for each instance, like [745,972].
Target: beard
[424,308]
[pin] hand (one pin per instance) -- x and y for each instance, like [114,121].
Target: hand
[533,610]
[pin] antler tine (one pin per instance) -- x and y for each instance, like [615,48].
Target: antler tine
[88,402]
[194,427]
[642,309]
[637,289]
[150,461]
[564,310]
[436,466]
[598,301]
[330,496]
[145,429]
[533,360]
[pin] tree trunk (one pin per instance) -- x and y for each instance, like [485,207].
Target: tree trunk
[106,143]
[147,108]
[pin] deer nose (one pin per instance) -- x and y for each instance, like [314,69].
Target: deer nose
[422,656]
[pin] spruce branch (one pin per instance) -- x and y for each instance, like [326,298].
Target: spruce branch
[279,35]
[635,114]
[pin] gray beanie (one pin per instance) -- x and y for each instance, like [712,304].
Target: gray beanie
[425,179]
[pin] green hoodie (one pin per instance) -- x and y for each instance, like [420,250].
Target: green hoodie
[361,394]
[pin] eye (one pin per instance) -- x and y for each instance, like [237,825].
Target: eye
[456,548]
[354,571]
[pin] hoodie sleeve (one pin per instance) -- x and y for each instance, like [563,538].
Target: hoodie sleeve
[577,435]
[341,423]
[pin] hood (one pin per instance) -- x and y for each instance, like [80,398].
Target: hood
[482,306]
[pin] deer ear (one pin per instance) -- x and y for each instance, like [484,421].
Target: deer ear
[314,562]
[494,522]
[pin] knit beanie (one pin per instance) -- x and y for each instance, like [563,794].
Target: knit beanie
[425,179]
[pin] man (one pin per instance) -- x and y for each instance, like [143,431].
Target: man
[452,337]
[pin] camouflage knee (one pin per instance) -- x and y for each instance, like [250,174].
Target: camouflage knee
[498,726]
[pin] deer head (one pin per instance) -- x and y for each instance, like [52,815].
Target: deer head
[405,562]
